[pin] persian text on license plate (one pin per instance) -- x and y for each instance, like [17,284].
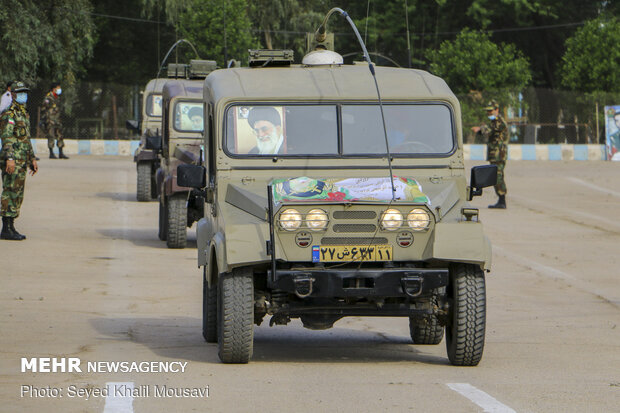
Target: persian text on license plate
[344,253]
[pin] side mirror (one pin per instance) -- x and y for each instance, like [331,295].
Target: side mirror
[153,142]
[481,177]
[192,176]
[133,125]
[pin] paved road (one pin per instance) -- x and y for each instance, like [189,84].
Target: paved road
[92,281]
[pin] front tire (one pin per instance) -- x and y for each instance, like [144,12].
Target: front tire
[427,330]
[144,190]
[467,318]
[209,309]
[236,316]
[177,221]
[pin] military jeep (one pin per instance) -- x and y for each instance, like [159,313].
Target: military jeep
[182,125]
[146,156]
[303,218]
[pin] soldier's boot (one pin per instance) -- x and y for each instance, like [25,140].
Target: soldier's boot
[61,155]
[12,225]
[6,231]
[501,203]
[52,155]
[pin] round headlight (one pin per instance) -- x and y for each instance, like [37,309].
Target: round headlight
[290,219]
[317,219]
[391,219]
[418,219]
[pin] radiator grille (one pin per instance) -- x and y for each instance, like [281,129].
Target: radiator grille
[354,228]
[355,215]
[353,241]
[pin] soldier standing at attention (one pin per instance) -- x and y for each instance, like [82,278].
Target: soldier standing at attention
[50,115]
[497,148]
[16,157]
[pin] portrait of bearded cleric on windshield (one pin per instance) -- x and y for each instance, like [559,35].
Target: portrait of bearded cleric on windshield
[266,123]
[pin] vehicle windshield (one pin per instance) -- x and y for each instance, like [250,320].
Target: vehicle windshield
[313,130]
[188,117]
[153,105]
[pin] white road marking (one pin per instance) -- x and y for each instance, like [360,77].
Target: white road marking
[121,401]
[592,186]
[482,399]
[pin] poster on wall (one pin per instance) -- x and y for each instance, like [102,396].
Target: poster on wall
[612,132]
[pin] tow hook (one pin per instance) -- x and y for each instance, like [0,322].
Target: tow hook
[412,285]
[303,285]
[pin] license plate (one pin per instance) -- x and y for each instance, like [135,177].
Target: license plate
[351,253]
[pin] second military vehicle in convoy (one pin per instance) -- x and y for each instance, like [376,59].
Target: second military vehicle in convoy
[307,216]
[182,128]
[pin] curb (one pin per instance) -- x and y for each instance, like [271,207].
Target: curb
[516,152]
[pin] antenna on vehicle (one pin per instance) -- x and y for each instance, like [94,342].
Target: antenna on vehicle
[170,51]
[320,36]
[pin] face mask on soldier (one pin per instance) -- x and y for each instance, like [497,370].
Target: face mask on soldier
[58,91]
[21,98]
[492,117]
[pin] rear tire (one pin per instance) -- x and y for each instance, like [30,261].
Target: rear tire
[467,318]
[209,309]
[144,191]
[427,330]
[176,236]
[163,220]
[236,316]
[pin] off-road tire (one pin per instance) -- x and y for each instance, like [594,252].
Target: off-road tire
[236,316]
[467,319]
[163,220]
[427,330]
[176,236]
[144,191]
[209,309]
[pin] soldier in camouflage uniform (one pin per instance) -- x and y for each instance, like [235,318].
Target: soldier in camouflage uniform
[496,134]
[50,116]
[16,157]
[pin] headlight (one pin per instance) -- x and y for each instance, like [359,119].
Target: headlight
[290,219]
[317,219]
[418,219]
[391,219]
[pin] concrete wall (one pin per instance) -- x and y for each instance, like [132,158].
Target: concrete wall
[558,152]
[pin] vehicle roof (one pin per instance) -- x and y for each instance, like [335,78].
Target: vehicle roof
[183,87]
[346,82]
[155,85]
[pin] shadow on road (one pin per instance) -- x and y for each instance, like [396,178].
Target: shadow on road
[180,338]
[143,237]
[118,196]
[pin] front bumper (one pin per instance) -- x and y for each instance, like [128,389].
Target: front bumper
[341,283]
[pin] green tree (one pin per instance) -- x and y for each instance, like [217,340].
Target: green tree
[45,39]
[473,62]
[219,29]
[591,62]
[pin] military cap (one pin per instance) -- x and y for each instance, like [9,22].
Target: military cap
[491,105]
[19,86]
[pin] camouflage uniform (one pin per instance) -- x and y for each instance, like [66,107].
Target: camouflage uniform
[50,115]
[497,150]
[15,134]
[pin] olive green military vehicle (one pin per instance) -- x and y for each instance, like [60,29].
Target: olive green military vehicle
[304,220]
[182,128]
[146,156]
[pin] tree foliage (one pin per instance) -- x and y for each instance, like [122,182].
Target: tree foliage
[592,59]
[473,62]
[45,39]
[219,29]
